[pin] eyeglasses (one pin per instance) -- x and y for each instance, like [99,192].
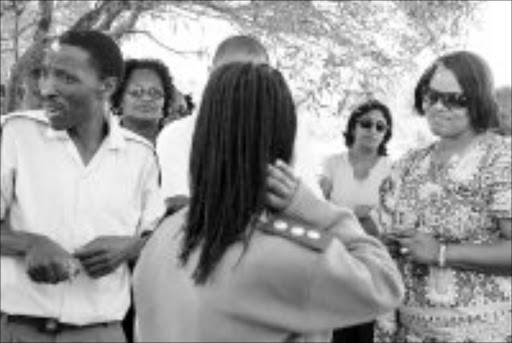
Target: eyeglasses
[450,100]
[368,124]
[153,93]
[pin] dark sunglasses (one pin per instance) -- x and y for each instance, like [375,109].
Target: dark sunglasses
[367,124]
[450,100]
[153,93]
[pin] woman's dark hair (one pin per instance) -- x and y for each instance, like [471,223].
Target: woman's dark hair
[246,121]
[360,111]
[159,68]
[475,79]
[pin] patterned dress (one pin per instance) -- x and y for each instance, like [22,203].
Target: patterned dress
[458,203]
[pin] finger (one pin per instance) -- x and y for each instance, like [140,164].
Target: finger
[281,177]
[57,272]
[92,261]
[100,270]
[274,201]
[44,273]
[67,269]
[88,252]
[35,273]
[278,188]
[286,170]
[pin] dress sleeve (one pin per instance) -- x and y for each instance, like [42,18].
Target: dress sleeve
[498,181]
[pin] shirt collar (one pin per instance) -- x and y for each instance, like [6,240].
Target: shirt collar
[115,138]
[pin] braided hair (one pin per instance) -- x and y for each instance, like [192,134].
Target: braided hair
[246,120]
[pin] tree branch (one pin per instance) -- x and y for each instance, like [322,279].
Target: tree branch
[45,20]
[166,47]
[128,24]
[110,14]
[90,18]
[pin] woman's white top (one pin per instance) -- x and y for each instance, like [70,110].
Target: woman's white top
[346,189]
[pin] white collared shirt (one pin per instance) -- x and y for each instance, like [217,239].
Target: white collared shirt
[174,145]
[46,189]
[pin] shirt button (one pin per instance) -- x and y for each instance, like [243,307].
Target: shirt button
[298,231]
[313,234]
[280,225]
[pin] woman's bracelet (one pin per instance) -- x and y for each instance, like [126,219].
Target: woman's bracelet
[441,257]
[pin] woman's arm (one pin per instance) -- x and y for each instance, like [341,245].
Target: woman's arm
[493,259]
[486,258]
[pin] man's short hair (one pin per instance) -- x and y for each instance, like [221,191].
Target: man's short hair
[240,48]
[105,54]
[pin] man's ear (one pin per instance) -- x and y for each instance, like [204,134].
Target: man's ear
[109,86]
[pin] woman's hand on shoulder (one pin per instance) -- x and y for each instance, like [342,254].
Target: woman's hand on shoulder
[282,184]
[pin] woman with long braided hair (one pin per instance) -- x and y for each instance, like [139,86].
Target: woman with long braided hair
[256,256]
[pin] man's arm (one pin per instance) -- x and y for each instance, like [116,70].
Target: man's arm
[105,254]
[46,261]
[15,243]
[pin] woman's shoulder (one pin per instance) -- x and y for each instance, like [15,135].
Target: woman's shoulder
[496,143]
[411,156]
[164,240]
[336,159]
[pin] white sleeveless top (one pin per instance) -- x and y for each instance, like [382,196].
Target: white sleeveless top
[346,189]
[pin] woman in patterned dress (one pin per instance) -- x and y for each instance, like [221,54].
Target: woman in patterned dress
[447,209]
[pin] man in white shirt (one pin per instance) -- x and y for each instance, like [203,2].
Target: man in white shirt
[174,142]
[78,194]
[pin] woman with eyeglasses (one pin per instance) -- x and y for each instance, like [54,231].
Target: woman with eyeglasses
[447,208]
[143,97]
[352,179]
[142,100]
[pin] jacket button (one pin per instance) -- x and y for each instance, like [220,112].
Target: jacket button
[313,234]
[298,231]
[280,225]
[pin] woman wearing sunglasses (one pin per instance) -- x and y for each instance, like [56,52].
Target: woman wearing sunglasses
[144,96]
[352,179]
[448,208]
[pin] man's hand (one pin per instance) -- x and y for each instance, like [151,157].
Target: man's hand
[282,185]
[48,262]
[104,254]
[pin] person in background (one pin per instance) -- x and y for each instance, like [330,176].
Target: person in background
[446,212]
[504,98]
[352,179]
[142,101]
[174,142]
[78,195]
[143,97]
[181,107]
[256,256]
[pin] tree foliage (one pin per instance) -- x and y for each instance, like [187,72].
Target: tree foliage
[332,51]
